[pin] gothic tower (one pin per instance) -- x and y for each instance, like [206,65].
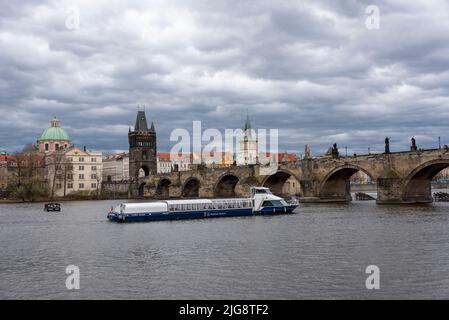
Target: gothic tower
[142,148]
[248,151]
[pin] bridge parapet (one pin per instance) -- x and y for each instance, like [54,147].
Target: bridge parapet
[401,177]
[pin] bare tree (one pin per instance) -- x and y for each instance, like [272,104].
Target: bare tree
[59,170]
[27,174]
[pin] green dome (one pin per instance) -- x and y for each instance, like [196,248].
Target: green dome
[55,132]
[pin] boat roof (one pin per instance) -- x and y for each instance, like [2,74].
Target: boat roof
[144,207]
[188,201]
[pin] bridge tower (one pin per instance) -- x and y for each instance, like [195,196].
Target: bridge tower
[142,148]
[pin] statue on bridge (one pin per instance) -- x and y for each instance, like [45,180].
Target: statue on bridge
[387,145]
[335,152]
[413,147]
[307,152]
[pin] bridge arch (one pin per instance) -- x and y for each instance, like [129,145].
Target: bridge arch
[417,187]
[225,185]
[191,188]
[335,186]
[144,171]
[163,188]
[282,183]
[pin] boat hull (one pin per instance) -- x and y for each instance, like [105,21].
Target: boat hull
[181,215]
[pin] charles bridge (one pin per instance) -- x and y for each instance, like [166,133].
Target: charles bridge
[401,177]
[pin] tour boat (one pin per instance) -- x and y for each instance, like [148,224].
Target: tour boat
[262,202]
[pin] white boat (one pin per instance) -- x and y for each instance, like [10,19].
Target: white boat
[262,202]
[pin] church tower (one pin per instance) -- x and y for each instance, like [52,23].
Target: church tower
[248,147]
[142,148]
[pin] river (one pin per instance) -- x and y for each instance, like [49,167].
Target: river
[320,252]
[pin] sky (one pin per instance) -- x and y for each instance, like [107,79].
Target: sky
[319,71]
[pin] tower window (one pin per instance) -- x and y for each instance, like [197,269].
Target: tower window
[47,146]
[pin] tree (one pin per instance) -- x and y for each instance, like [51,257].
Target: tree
[59,171]
[27,170]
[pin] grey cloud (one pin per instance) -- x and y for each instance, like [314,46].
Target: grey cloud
[309,68]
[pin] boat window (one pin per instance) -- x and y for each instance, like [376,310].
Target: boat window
[274,203]
[267,204]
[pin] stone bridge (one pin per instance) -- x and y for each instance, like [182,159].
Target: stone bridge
[401,177]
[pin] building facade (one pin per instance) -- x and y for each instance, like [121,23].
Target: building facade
[164,163]
[79,171]
[4,176]
[116,167]
[142,148]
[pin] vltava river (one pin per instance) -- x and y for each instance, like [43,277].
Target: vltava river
[319,252]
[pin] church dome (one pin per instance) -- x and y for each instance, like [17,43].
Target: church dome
[54,133]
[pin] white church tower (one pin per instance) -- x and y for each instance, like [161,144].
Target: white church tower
[248,146]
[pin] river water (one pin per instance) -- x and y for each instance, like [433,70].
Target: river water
[321,251]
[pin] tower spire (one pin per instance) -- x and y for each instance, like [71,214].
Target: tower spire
[141,122]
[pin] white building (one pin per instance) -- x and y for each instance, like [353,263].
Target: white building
[164,164]
[116,167]
[74,171]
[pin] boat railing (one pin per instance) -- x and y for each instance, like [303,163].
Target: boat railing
[231,203]
[217,204]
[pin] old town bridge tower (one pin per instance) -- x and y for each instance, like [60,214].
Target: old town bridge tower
[142,148]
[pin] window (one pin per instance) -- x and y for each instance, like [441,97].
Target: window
[93,160]
[70,186]
[81,185]
[58,186]
[272,203]
[70,176]
[93,185]
[81,168]
[93,176]
[69,159]
[81,159]
[81,176]
[56,147]
[47,147]
[94,168]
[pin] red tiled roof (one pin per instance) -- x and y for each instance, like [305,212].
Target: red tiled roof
[283,156]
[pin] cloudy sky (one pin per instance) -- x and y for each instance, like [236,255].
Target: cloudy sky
[312,69]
